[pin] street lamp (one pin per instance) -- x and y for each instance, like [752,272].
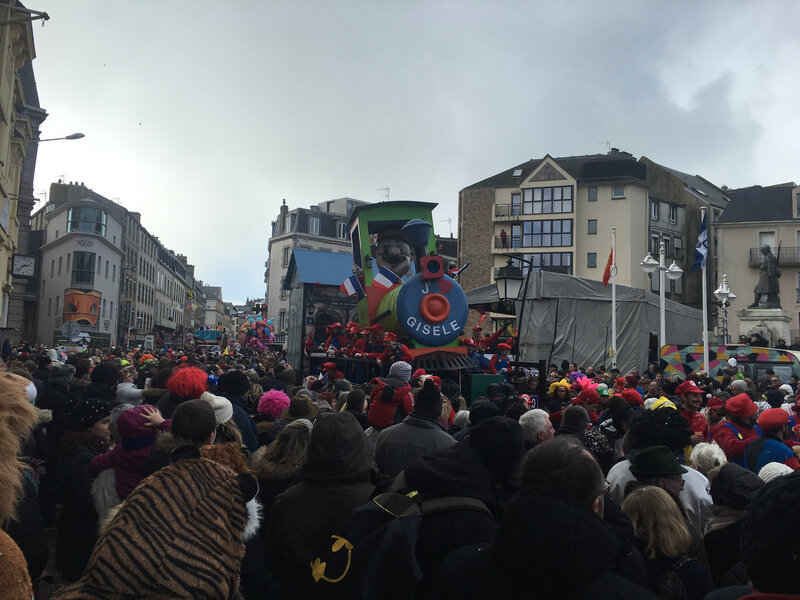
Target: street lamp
[650,265]
[71,136]
[509,282]
[725,298]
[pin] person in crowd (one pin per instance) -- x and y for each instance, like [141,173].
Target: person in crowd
[356,404]
[235,386]
[127,392]
[775,425]
[714,414]
[389,407]
[137,428]
[87,435]
[574,421]
[734,434]
[393,351]
[339,474]
[663,427]
[706,456]
[732,489]
[419,434]
[691,400]
[665,541]
[185,383]
[272,403]
[560,507]
[536,428]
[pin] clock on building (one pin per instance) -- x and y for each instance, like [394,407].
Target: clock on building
[23,266]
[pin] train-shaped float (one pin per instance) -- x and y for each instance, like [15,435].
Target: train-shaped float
[402,283]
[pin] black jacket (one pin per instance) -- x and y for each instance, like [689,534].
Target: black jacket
[544,548]
[338,476]
[244,421]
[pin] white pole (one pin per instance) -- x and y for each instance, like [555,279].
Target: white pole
[705,296]
[614,297]
[662,296]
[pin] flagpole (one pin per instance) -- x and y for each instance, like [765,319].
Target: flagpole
[613,297]
[705,295]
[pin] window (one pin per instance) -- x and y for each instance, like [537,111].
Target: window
[113,272]
[667,245]
[68,255]
[654,210]
[560,262]
[591,260]
[546,201]
[284,293]
[286,251]
[282,320]
[52,267]
[677,246]
[517,173]
[673,214]
[592,194]
[766,238]
[106,269]
[83,267]
[49,306]
[545,233]
[99,264]
[592,227]
[104,308]
[85,219]
[617,191]
[516,204]
[341,230]
[56,233]
[655,241]
[313,225]
[59,264]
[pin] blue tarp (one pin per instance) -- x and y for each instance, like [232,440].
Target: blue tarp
[319,266]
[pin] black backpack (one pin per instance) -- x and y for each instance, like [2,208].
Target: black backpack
[374,553]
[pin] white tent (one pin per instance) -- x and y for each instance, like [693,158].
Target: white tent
[567,317]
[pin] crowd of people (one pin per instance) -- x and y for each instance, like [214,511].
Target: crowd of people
[192,475]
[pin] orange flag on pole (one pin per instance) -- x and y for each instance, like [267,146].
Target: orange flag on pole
[609,264]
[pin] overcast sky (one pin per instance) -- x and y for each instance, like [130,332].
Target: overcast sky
[203,115]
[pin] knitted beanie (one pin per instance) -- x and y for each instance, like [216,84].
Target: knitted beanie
[273,403]
[400,370]
[223,409]
[773,470]
[82,413]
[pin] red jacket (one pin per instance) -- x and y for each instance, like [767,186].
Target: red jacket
[697,422]
[381,414]
[733,444]
[399,353]
[357,347]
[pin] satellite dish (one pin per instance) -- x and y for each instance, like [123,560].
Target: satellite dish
[70,330]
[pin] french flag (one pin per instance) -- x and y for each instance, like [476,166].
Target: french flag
[385,278]
[352,286]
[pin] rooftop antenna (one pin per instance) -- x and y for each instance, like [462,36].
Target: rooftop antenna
[386,189]
[449,222]
[608,145]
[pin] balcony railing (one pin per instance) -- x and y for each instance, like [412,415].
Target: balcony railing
[512,242]
[565,270]
[507,211]
[789,257]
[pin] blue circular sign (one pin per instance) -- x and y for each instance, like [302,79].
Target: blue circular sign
[432,311]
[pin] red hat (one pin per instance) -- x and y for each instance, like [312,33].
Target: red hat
[631,397]
[437,380]
[740,406]
[477,327]
[688,387]
[467,341]
[526,399]
[632,380]
[588,396]
[715,403]
[329,365]
[389,337]
[503,347]
[376,329]
[773,418]
[418,373]
[366,331]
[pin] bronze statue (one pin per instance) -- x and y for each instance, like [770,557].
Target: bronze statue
[767,281]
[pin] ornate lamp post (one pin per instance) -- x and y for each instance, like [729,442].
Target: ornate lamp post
[725,298]
[650,265]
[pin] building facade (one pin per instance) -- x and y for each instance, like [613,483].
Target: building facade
[556,214]
[98,266]
[321,227]
[759,216]
[18,127]
[81,258]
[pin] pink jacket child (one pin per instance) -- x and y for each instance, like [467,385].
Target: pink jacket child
[138,428]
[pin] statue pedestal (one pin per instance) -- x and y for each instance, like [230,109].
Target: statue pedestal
[772,323]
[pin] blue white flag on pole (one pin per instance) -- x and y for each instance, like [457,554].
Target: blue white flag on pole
[385,278]
[352,286]
[701,250]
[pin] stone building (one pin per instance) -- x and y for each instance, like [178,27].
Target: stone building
[321,227]
[557,214]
